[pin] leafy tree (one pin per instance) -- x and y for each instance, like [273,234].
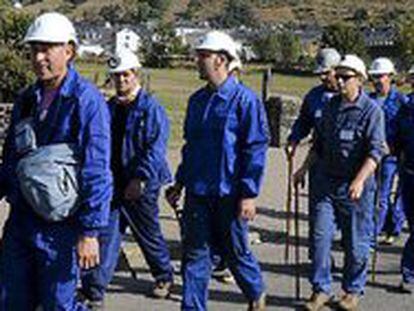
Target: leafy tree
[157,52]
[267,46]
[144,10]
[112,13]
[236,13]
[405,43]
[13,61]
[345,38]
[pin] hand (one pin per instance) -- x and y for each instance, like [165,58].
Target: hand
[299,177]
[290,150]
[355,189]
[133,190]
[173,194]
[88,252]
[247,209]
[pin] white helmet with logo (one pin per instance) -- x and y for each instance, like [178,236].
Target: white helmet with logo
[51,28]
[326,60]
[123,61]
[218,41]
[354,63]
[382,65]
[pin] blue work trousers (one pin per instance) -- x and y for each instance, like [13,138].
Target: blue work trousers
[407,193]
[334,209]
[96,280]
[391,213]
[39,266]
[143,218]
[209,221]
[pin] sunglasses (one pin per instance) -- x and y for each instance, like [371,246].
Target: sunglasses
[203,54]
[344,78]
[376,77]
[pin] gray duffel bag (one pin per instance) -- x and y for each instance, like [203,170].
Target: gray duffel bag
[48,178]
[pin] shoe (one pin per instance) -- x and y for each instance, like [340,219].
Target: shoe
[406,288]
[161,290]
[95,305]
[317,301]
[223,276]
[349,302]
[259,304]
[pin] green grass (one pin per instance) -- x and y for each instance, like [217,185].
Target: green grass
[173,87]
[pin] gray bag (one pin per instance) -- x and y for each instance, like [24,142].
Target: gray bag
[48,178]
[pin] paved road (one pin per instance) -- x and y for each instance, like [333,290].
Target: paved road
[127,294]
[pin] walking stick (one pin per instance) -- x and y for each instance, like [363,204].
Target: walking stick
[288,208]
[376,210]
[297,243]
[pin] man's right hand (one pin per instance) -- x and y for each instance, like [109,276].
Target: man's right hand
[173,194]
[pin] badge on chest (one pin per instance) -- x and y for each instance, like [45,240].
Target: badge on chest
[347,135]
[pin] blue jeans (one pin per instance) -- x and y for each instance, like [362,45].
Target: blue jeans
[211,221]
[96,280]
[407,261]
[391,214]
[334,209]
[39,265]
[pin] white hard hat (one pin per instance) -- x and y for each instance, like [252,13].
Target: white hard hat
[218,41]
[353,62]
[235,64]
[52,28]
[382,65]
[123,61]
[327,59]
[411,70]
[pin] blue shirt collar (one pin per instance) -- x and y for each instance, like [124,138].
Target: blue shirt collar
[225,90]
[67,87]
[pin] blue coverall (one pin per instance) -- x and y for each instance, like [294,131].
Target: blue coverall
[226,137]
[347,135]
[390,217]
[140,136]
[39,259]
[309,116]
[402,144]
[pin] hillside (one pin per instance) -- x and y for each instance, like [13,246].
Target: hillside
[320,12]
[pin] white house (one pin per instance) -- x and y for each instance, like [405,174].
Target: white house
[127,39]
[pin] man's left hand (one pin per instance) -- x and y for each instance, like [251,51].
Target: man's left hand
[355,189]
[247,209]
[88,252]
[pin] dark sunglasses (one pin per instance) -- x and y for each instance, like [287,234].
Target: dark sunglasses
[344,78]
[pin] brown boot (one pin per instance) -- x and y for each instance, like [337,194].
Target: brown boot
[349,302]
[259,304]
[317,301]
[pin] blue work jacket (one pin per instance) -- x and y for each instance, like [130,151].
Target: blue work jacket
[402,135]
[226,138]
[310,112]
[77,115]
[145,141]
[348,134]
[391,105]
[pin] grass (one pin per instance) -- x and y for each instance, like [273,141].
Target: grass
[173,87]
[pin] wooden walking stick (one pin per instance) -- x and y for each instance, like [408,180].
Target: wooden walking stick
[297,243]
[288,207]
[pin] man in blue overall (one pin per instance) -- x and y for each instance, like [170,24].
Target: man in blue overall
[349,143]
[390,218]
[402,145]
[309,116]
[40,259]
[140,130]
[226,138]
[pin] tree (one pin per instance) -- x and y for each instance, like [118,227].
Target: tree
[236,13]
[405,43]
[345,38]
[112,13]
[13,61]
